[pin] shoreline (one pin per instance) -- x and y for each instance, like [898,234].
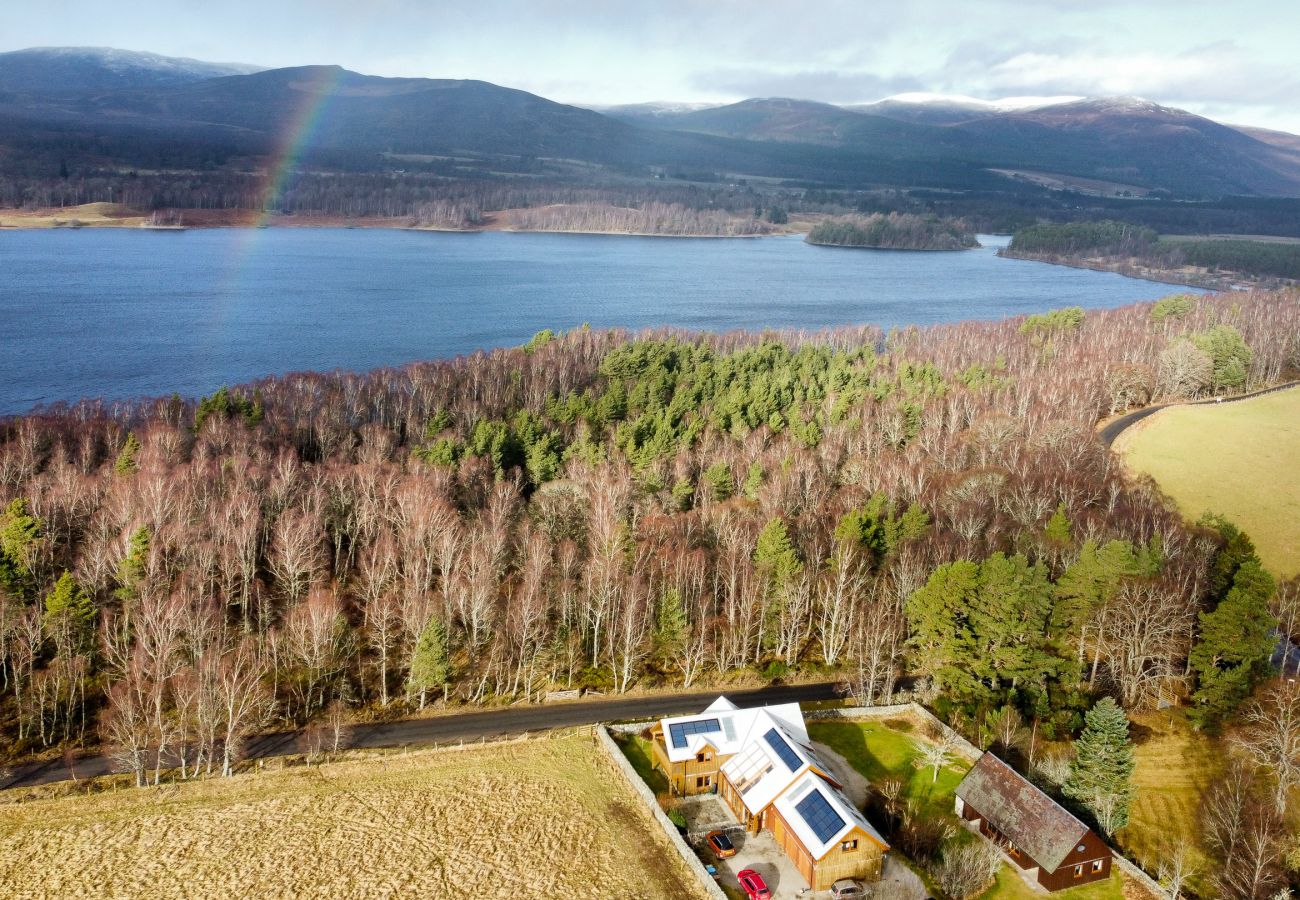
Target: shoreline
[101,216]
[1130,268]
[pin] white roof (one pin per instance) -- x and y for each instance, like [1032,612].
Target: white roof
[821,822]
[770,761]
[726,728]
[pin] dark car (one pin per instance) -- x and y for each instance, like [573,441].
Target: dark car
[753,885]
[720,844]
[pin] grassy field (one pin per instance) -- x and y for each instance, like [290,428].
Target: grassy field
[1237,459]
[1175,766]
[544,818]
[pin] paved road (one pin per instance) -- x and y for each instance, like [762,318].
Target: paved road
[471,726]
[1120,425]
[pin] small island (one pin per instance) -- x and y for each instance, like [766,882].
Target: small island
[896,231]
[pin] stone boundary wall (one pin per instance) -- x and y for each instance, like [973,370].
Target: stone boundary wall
[606,743]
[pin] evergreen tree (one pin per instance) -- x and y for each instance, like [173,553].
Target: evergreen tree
[753,481]
[777,565]
[134,566]
[1102,770]
[982,629]
[774,555]
[431,662]
[719,481]
[671,626]
[1235,645]
[20,535]
[126,458]
[1059,531]
[70,615]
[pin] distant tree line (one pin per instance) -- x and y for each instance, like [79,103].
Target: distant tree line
[1124,242]
[893,231]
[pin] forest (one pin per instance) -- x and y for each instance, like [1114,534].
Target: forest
[895,231]
[924,509]
[1258,258]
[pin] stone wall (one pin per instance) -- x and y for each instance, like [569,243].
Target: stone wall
[606,743]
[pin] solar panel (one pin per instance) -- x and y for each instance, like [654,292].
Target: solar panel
[821,817]
[683,730]
[782,750]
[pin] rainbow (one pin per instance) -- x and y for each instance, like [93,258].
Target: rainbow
[300,129]
[317,87]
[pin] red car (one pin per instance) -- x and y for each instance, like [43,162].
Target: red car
[753,885]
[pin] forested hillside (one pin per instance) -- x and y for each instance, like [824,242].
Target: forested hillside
[604,510]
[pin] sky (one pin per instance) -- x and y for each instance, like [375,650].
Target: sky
[1232,61]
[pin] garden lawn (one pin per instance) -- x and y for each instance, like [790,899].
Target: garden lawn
[1175,766]
[641,755]
[881,752]
[1011,886]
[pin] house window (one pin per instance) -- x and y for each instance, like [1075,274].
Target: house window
[1096,865]
[702,781]
[1078,871]
[849,846]
[703,756]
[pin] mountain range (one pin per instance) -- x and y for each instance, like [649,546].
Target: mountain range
[95,106]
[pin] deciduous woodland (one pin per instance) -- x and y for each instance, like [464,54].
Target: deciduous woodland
[605,509]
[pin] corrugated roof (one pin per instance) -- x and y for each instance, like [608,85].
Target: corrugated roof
[1034,822]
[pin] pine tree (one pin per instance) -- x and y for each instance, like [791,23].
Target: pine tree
[1102,770]
[70,615]
[719,480]
[1234,648]
[20,535]
[774,555]
[431,662]
[1058,530]
[134,566]
[671,626]
[126,458]
[753,481]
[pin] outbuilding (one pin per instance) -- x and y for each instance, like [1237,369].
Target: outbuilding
[1040,835]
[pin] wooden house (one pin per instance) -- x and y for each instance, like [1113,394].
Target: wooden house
[1039,834]
[761,764]
[690,750]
